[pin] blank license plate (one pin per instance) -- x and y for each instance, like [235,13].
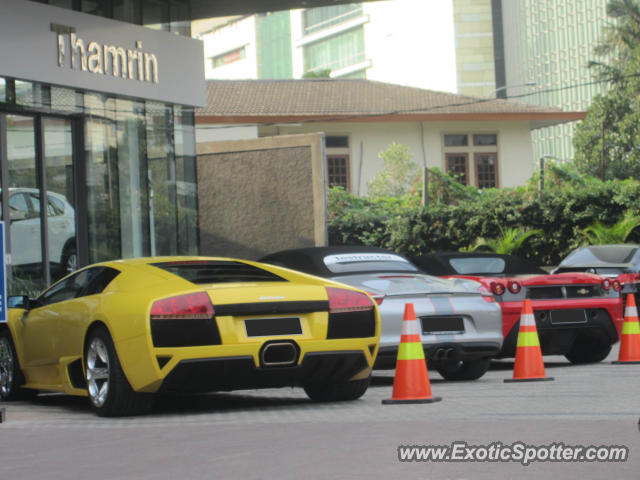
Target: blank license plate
[568,316]
[444,325]
[262,327]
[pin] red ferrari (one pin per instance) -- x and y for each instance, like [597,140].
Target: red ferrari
[578,315]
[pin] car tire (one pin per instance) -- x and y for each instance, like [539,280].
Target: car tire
[337,392]
[69,259]
[11,377]
[588,350]
[464,370]
[109,391]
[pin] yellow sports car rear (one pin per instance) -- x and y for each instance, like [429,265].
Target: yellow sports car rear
[120,331]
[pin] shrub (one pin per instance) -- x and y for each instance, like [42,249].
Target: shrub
[458,216]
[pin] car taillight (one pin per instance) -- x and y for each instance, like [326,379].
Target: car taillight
[606,284]
[343,300]
[378,297]
[514,287]
[487,296]
[497,288]
[617,286]
[192,305]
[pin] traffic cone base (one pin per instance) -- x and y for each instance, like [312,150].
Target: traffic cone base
[411,381]
[618,362]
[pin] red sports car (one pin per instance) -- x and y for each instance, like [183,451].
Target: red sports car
[578,315]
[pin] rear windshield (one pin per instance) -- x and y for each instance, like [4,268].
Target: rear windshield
[601,255]
[478,265]
[367,262]
[203,272]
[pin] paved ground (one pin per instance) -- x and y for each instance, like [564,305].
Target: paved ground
[280,434]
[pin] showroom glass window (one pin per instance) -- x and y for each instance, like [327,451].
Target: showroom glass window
[139,187]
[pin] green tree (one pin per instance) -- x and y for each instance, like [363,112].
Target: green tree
[508,242]
[324,73]
[600,234]
[399,176]
[607,142]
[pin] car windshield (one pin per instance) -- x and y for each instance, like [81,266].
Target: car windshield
[464,266]
[367,262]
[204,272]
[600,255]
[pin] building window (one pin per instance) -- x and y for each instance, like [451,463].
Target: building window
[486,170]
[456,140]
[338,171]
[458,167]
[336,142]
[483,140]
[337,151]
[228,57]
[336,52]
[315,19]
[482,148]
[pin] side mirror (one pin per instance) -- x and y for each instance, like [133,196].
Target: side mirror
[18,301]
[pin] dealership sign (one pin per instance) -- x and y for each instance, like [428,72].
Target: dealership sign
[65,48]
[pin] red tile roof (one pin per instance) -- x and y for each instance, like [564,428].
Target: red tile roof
[263,101]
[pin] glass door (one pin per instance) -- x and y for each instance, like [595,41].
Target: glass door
[37,189]
[61,217]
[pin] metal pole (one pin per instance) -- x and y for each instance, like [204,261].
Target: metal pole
[541,175]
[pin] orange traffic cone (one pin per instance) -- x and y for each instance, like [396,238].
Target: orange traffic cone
[411,383]
[630,341]
[528,366]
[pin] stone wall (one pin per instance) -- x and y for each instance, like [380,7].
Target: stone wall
[261,195]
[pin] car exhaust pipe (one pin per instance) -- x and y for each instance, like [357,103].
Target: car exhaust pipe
[444,354]
[279,354]
[440,354]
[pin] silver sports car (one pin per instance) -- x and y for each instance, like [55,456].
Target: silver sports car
[461,323]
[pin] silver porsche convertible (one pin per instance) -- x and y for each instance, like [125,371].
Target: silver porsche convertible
[460,321]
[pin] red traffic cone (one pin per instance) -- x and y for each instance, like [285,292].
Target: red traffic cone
[528,366]
[630,341]
[411,383]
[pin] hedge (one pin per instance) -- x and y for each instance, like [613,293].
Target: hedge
[458,215]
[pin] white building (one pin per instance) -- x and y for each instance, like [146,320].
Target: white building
[486,143]
[405,42]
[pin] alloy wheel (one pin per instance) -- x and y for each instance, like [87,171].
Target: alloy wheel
[97,368]
[6,366]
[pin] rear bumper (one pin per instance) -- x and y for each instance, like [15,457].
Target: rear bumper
[458,351]
[557,339]
[235,373]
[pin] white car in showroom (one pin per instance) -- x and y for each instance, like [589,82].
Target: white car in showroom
[24,212]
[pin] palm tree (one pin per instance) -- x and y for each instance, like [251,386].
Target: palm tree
[509,241]
[621,38]
[599,234]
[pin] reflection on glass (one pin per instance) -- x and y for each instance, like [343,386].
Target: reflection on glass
[134,219]
[24,93]
[3,90]
[63,99]
[162,179]
[187,191]
[24,207]
[127,11]
[155,14]
[58,157]
[103,205]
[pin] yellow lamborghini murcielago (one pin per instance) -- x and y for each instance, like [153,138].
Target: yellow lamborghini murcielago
[120,331]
